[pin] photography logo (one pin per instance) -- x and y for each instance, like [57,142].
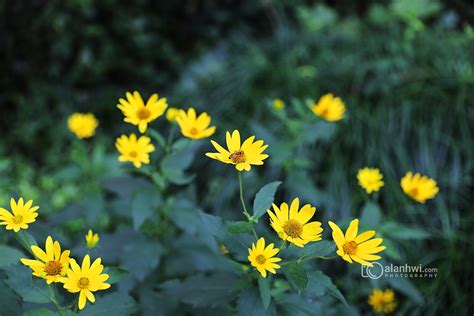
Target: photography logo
[374,272]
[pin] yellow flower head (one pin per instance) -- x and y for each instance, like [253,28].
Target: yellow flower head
[370,179]
[278,104]
[137,151]
[171,114]
[92,239]
[419,188]
[138,113]
[195,127]
[329,107]
[263,258]
[383,302]
[359,248]
[241,155]
[83,125]
[292,225]
[85,279]
[52,264]
[22,214]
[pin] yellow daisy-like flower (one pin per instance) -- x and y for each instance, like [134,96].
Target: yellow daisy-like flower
[85,279]
[359,248]
[263,258]
[370,179]
[171,114]
[241,155]
[52,264]
[329,108]
[138,113]
[22,214]
[278,104]
[137,151]
[83,125]
[292,225]
[92,239]
[195,127]
[383,301]
[420,188]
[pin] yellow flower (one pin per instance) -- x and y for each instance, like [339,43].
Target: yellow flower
[171,114]
[263,258]
[85,279]
[83,125]
[241,155]
[134,150]
[92,239]
[278,104]
[138,113]
[329,107]
[52,264]
[370,179]
[359,248]
[195,127]
[383,302]
[22,215]
[292,225]
[419,188]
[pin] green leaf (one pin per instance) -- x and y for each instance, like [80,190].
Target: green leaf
[249,303]
[141,256]
[297,276]
[371,215]
[115,274]
[9,256]
[144,203]
[180,144]
[239,227]
[320,284]
[403,232]
[31,290]
[214,224]
[26,240]
[116,304]
[264,287]
[264,198]
[9,302]
[320,248]
[40,312]
[406,287]
[157,137]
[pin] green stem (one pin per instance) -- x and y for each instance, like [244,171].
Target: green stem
[246,213]
[282,245]
[170,139]
[54,298]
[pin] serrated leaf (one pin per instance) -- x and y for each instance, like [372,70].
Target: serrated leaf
[249,303]
[144,203]
[264,198]
[320,284]
[116,304]
[31,290]
[239,227]
[9,256]
[297,276]
[319,248]
[264,288]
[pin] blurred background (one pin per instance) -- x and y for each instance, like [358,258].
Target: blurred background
[404,68]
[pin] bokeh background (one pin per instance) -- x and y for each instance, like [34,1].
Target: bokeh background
[405,69]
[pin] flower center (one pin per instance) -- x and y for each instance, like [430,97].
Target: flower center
[143,113]
[260,259]
[237,156]
[83,283]
[193,131]
[414,192]
[293,228]
[350,247]
[133,154]
[53,268]
[17,219]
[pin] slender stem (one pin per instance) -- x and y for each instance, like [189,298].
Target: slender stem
[246,213]
[282,245]
[170,138]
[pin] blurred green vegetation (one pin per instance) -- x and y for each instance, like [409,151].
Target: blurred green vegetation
[405,70]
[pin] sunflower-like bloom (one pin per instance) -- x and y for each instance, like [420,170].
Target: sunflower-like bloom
[419,188]
[278,104]
[171,114]
[241,155]
[85,279]
[22,214]
[137,151]
[91,239]
[383,301]
[263,258]
[359,248]
[292,225]
[195,127]
[370,179]
[52,264]
[83,125]
[329,108]
[138,113]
